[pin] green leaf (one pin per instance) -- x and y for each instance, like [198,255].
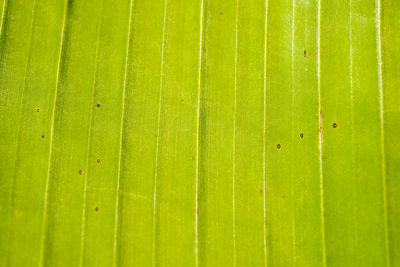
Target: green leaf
[199,133]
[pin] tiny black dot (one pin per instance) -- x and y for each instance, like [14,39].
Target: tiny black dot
[37,110]
[278,146]
[182,100]
[96,208]
[301,135]
[305,53]
[42,135]
[98,160]
[98,105]
[80,171]
[334,125]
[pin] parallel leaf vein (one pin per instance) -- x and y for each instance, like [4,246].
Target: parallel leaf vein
[46,195]
[89,140]
[121,132]
[158,134]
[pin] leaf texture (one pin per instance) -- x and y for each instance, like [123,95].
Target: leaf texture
[199,133]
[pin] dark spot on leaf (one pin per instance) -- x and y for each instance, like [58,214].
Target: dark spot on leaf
[278,146]
[305,53]
[98,105]
[98,160]
[221,13]
[334,125]
[80,171]
[182,100]
[261,191]
[283,197]
[96,208]
[37,110]
[301,135]
[42,135]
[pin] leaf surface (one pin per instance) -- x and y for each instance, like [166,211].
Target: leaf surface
[199,133]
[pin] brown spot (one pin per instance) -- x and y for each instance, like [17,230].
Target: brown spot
[80,171]
[221,13]
[42,135]
[192,158]
[98,160]
[334,125]
[305,53]
[96,208]
[182,100]
[98,105]
[260,191]
[301,135]
[278,146]
[37,110]
[283,197]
